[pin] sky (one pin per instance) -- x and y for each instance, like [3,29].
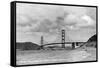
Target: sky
[36,20]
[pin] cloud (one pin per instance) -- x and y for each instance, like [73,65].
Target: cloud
[88,19]
[33,17]
[45,25]
[39,11]
[75,10]
[73,21]
[35,20]
[74,17]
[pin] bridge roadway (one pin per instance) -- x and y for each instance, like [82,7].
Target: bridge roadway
[61,43]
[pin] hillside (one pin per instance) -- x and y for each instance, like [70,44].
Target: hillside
[27,46]
[93,38]
[92,41]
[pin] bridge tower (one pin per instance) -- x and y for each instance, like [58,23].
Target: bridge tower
[42,42]
[63,38]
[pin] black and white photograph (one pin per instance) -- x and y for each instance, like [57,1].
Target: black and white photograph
[52,33]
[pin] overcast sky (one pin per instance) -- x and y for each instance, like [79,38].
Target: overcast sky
[35,20]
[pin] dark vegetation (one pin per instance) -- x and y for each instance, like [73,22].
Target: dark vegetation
[93,38]
[27,46]
[92,42]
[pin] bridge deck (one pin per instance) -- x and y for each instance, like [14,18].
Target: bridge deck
[61,43]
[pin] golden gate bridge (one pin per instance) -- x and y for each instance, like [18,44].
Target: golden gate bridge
[63,42]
